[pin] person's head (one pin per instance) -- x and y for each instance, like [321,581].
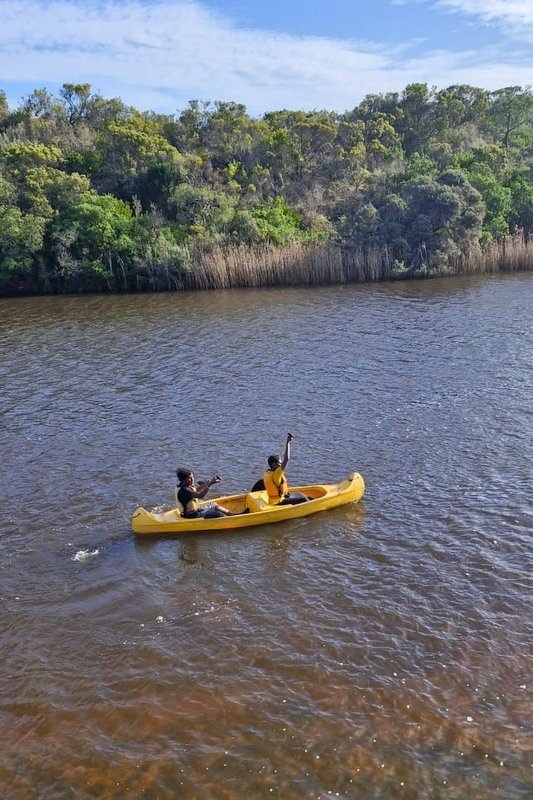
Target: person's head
[274,462]
[183,475]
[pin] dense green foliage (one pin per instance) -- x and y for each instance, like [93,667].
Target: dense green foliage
[95,195]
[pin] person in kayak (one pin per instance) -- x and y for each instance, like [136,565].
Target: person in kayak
[275,481]
[188,494]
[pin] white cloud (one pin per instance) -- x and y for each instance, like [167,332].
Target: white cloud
[162,54]
[516,16]
[179,48]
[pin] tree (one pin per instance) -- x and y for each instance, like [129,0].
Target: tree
[40,103]
[443,218]
[371,104]
[417,123]
[459,105]
[301,154]
[161,252]
[361,225]
[77,98]
[203,212]
[21,156]
[21,238]
[277,222]
[521,214]
[156,183]
[419,165]
[95,236]
[128,148]
[4,107]
[229,134]
[487,170]
[511,109]
[382,142]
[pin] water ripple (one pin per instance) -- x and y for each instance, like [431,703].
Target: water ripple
[381,650]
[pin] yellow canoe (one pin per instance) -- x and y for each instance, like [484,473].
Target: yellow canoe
[251,509]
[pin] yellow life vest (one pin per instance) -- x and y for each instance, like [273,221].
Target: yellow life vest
[190,509]
[275,484]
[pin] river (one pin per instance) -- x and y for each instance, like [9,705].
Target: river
[377,651]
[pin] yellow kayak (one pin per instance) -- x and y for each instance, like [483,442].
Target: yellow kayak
[251,509]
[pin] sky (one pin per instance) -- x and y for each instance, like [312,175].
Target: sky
[157,55]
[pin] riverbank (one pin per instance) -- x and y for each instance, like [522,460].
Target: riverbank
[331,264]
[296,264]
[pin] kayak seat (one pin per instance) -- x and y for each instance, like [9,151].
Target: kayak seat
[255,503]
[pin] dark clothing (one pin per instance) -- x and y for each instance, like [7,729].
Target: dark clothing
[211,512]
[293,498]
[186,497]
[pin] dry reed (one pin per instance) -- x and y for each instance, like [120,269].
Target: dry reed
[296,264]
[328,263]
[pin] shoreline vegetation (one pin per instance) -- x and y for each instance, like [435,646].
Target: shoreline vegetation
[96,196]
[327,264]
[297,264]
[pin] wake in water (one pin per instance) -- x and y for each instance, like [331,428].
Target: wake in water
[83,555]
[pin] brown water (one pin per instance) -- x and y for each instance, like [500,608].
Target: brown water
[376,651]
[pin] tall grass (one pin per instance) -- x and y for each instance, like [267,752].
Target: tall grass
[328,263]
[296,264]
[291,265]
[512,254]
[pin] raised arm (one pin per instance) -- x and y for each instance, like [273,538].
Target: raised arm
[287,451]
[203,487]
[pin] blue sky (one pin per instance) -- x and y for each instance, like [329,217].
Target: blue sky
[268,54]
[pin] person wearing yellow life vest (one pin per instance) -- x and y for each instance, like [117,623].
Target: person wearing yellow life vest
[188,494]
[275,481]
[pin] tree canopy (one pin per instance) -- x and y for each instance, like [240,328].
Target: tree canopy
[96,195]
